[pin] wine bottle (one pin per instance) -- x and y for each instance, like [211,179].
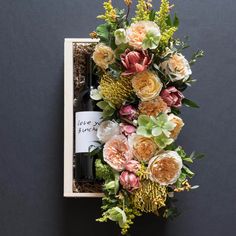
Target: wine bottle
[87,120]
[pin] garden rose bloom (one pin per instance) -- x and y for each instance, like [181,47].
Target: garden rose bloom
[179,125]
[133,166]
[165,168]
[127,129]
[107,129]
[129,181]
[153,107]
[117,152]
[135,61]
[103,56]
[147,85]
[143,148]
[128,112]
[137,32]
[177,67]
[172,96]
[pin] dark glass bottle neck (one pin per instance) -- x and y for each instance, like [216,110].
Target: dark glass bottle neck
[90,79]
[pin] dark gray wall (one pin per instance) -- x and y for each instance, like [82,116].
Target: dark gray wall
[31,127]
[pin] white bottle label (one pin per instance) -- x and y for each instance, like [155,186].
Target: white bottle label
[86,125]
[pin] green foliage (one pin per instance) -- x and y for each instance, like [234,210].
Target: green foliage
[189,103]
[103,171]
[196,55]
[105,33]
[108,109]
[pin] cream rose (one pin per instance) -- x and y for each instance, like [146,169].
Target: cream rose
[179,125]
[143,148]
[177,67]
[146,85]
[137,33]
[103,56]
[165,168]
[107,129]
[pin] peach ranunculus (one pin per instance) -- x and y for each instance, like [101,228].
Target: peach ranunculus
[147,85]
[165,168]
[179,125]
[117,152]
[143,148]
[177,67]
[138,31]
[103,56]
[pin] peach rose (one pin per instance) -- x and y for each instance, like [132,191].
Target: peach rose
[143,148]
[103,56]
[146,85]
[165,168]
[117,152]
[177,67]
[153,107]
[137,32]
[179,125]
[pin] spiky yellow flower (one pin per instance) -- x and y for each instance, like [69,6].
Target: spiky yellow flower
[110,12]
[166,36]
[149,197]
[142,10]
[116,91]
[185,187]
[162,14]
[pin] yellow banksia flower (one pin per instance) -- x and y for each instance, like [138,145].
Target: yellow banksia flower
[116,91]
[110,12]
[149,197]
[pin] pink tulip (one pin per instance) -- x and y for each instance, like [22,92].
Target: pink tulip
[172,96]
[128,112]
[127,129]
[133,166]
[135,61]
[129,181]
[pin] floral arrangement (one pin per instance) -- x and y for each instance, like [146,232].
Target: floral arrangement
[142,75]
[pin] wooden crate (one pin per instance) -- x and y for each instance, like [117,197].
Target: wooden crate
[69,117]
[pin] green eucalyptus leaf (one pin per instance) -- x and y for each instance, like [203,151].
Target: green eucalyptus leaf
[102,104]
[176,21]
[189,103]
[188,171]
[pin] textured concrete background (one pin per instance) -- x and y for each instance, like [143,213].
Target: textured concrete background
[31,128]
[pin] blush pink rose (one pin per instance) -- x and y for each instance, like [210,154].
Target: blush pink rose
[127,129]
[172,97]
[135,61]
[133,166]
[129,181]
[128,112]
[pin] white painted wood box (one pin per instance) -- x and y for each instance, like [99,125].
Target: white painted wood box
[69,190]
